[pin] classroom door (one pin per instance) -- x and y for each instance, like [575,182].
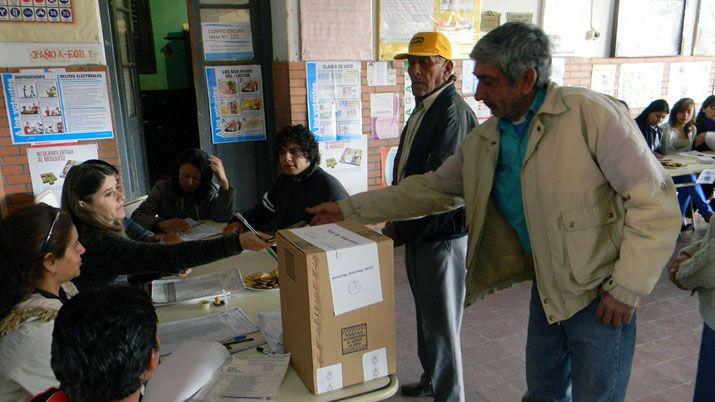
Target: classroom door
[249,165]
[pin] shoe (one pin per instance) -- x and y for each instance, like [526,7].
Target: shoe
[687,227]
[416,389]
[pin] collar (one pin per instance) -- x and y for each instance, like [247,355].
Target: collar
[428,100]
[307,172]
[47,295]
[533,108]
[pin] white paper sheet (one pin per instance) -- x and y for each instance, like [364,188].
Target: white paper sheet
[707,176]
[213,327]
[381,73]
[272,329]
[353,265]
[167,291]
[256,377]
[374,364]
[199,231]
[185,371]
[329,378]
[603,78]
[469,80]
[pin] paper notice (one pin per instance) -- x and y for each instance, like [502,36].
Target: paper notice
[214,327]
[381,73]
[353,265]
[374,364]
[329,378]
[490,20]
[707,176]
[520,17]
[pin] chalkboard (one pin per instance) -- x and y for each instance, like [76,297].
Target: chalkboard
[647,28]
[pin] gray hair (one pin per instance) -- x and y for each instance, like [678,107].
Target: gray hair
[516,47]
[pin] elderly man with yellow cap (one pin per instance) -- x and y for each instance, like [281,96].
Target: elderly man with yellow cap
[435,245]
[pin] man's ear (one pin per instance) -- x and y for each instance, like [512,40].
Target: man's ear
[528,81]
[448,68]
[151,365]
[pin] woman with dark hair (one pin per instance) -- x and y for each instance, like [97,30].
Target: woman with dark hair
[648,122]
[705,121]
[679,136]
[91,198]
[188,193]
[39,254]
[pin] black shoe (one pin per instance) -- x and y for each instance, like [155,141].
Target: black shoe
[416,389]
[686,228]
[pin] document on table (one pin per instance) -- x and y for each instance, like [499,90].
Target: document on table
[169,291]
[255,377]
[699,156]
[199,231]
[213,327]
[272,329]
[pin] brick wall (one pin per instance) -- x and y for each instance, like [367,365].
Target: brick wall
[15,181]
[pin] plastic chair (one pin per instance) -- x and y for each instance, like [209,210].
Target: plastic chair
[48,197]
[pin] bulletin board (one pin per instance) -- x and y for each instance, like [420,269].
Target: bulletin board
[660,36]
[705,30]
[347,23]
[458,20]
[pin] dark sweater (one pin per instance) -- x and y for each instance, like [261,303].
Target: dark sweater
[109,255]
[284,204]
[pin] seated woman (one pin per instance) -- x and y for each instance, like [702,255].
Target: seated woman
[91,198]
[649,124]
[188,193]
[679,136]
[705,121]
[39,254]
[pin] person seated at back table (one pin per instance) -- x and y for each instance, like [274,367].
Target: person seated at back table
[104,346]
[302,183]
[188,193]
[649,123]
[39,254]
[91,198]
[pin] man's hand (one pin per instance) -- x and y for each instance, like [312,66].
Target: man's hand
[217,168]
[175,225]
[612,312]
[184,273]
[389,231]
[327,212]
[234,227]
[249,241]
[675,267]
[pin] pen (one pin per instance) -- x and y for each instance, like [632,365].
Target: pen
[248,226]
[241,340]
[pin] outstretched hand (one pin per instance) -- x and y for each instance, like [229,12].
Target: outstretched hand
[327,212]
[249,241]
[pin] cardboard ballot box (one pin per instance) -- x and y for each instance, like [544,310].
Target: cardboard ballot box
[337,304]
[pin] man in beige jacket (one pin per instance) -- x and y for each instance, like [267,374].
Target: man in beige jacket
[559,187]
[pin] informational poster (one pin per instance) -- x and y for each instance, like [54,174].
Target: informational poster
[381,73]
[334,102]
[56,106]
[347,161]
[408,99]
[223,41]
[639,83]
[479,108]
[558,69]
[603,78]
[37,11]
[236,104]
[663,30]
[387,165]
[489,20]
[705,30]
[469,80]
[49,165]
[458,20]
[566,34]
[326,26]
[385,115]
[686,80]
[520,17]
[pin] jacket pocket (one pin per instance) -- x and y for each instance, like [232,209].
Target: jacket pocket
[591,242]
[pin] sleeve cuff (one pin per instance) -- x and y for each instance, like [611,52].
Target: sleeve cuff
[622,294]
[347,210]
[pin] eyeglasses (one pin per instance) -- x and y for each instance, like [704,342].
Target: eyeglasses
[49,234]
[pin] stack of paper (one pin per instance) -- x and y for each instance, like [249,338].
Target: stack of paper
[168,291]
[701,157]
[213,327]
[199,231]
[272,329]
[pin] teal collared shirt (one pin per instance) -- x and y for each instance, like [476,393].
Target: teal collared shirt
[507,178]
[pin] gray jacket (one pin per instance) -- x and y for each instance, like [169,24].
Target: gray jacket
[698,274]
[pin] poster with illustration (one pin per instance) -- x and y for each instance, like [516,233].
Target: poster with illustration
[49,165]
[334,100]
[236,105]
[56,106]
[347,161]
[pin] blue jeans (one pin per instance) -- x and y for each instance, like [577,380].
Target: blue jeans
[577,358]
[705,380]
[692,193]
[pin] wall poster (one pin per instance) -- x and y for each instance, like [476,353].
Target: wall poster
[226,34]
[663,31]
[347,161]
[37,11]
[49,165]
[334,102]
[458,20]
[635,83]
[348,24]
[56,106]
[236,103]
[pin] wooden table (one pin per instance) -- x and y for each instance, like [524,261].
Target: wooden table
[254,302]
[691,164]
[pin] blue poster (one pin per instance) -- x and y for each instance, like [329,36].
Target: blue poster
[236,106]
[227,40]
[48,106]
[334,103]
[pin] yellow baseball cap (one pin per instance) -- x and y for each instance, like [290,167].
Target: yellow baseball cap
[428,44]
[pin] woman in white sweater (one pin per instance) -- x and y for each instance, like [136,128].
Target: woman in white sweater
[39,254]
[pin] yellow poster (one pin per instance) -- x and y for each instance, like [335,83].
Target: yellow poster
[458,20]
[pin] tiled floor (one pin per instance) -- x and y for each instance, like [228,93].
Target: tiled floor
[494,335]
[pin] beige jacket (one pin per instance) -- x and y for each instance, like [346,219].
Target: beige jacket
[600,210]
